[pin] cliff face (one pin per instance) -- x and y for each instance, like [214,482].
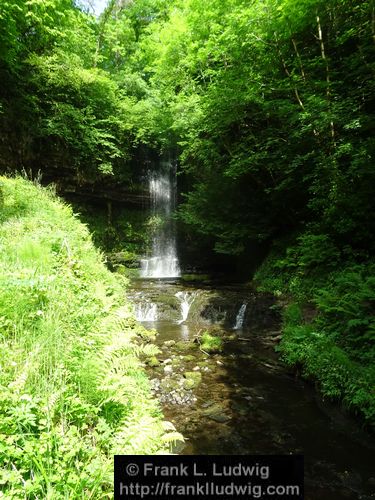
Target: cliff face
[52,163]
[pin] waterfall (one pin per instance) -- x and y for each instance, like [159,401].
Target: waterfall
[240,317]
[163,262]
[146,311]
[186,299]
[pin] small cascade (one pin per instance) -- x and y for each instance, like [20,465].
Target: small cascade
[163,262]
[146,311]
[186,299]
[240,317]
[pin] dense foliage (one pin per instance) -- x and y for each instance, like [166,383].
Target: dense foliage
[269,105]
[61,108]
[72,392]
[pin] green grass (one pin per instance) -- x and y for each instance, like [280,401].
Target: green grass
[72,392]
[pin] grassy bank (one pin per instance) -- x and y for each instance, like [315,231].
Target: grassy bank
[72,392]
[328,326]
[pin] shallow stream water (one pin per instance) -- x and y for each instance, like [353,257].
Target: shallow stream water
[247,402]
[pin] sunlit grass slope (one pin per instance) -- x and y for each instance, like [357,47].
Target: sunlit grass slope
[72,393]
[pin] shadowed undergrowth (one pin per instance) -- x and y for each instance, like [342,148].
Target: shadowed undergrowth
[328,327]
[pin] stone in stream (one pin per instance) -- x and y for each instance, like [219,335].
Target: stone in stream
[173,392]
[192,379]
[168,369]
[231,337]
[169,343]
[169,384]
[183,346]
[189,357]
[153,362]
[202,364]
[217,413]
[208,403]
[240,407]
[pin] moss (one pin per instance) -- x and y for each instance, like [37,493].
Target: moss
[192,380]
[210,343]
[153,362]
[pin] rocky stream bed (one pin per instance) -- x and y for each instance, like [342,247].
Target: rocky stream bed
[243,400]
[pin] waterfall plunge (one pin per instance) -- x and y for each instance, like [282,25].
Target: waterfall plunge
[163,262]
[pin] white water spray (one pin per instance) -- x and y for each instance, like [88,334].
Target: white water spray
[186,299]
[146,311]
[163,262]
[240,317]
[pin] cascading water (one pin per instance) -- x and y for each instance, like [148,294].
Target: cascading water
[146,311]
[240,317]
[186,299]
[163,262]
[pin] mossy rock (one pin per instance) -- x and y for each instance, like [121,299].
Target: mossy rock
[190,357]
[169,300]
[202,364]
[211,344]
[199,278]
[153,362]
[182,346]
[146,335]
[170,343]
[192,379]
[217,413]
[169,384]
[216,331]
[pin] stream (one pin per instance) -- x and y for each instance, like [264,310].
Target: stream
[243,400]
